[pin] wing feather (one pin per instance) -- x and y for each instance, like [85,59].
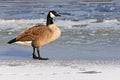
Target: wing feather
[34,33]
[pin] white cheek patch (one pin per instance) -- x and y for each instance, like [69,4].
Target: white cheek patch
[52,15]
[26,43]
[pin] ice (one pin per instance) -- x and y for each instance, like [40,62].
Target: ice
[106,24]
[18,24]
[12,25]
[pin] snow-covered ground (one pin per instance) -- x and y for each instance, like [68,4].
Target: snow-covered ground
[58,70]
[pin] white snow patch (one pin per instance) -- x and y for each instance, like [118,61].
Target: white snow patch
[53,72]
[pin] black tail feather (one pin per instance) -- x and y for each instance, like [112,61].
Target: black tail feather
[12,41]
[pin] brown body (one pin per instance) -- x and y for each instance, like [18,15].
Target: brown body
[39,35]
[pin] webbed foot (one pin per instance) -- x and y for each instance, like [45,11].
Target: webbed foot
[43,58]
[35,57]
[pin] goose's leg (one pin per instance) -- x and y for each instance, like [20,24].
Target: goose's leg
[34,56]
[39,57]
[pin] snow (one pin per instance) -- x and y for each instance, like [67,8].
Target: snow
[59,71]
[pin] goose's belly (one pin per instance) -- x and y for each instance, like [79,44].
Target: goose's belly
[53,38]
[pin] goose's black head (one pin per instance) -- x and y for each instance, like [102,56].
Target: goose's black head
[52,14]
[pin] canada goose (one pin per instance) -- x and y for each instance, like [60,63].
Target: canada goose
[39,35]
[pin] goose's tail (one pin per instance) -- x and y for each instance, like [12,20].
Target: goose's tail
[12,41]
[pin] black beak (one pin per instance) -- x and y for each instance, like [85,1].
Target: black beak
[58,15]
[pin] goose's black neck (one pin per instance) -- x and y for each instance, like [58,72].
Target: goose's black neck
[49,20]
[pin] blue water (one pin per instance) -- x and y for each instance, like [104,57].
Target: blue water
[90,30]
[69,9]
